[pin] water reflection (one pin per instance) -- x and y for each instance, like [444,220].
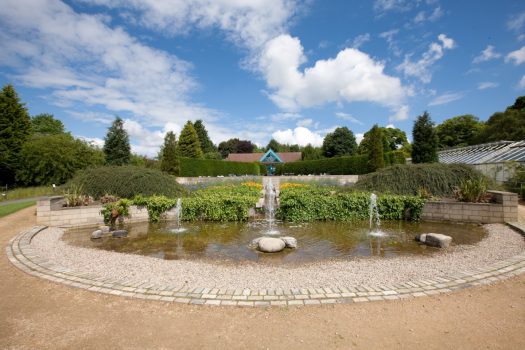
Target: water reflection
[316,241]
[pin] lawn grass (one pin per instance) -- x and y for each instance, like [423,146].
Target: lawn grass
[26,192]
[14,207]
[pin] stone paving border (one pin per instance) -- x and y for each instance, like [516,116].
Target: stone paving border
[22,255]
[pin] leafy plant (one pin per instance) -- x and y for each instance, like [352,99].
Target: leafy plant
[107,198]
[472,190]
[75,197]
[155,205]
[115,210]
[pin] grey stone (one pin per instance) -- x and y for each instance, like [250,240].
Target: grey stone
[255,242]
[104,228]
[97,234]
[120,233]
[271,245]
[434,239]
[290,242]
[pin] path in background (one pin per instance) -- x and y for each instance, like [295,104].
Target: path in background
[35,313]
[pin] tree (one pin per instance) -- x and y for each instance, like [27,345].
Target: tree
[116,144]
[245,146]
[393,139]
[424,147]
[339,143]
[508,125]
[311,153]
[235,146]
[207,145]
[376,155]
[169,162]
[274,145]
[47,159]
[189,145]
[15,128]
[47,124]
[459,131]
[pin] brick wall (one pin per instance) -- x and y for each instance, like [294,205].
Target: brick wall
[505,209]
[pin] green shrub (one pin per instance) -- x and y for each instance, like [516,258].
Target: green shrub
[323,203]
[395,157]
[436,179]
[155,205]
[114,210]
[210,167]
[472,190]
[126,182]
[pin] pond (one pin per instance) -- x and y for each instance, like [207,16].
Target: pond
[317,241]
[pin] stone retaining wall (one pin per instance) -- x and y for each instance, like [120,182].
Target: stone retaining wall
[50,212]
[505,209]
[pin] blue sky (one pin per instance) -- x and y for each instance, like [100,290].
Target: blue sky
[289,69]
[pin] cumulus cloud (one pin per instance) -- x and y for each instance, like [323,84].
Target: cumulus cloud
[351,76]
[421,69]
[517,57]
[446,98]
[359,137]
[300,135]
[487,85]
[487,55]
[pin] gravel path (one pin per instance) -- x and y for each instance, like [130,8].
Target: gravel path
[501,243]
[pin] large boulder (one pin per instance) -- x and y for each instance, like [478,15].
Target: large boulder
[290,242]
[104,228]
[271,245]
[434,239]
[120,233]
[97,234]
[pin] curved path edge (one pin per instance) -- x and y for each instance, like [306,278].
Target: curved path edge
[22,255]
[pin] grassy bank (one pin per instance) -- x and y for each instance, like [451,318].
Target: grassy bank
[14,207]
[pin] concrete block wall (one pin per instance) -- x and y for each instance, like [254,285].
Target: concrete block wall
[50,212]
[504,209]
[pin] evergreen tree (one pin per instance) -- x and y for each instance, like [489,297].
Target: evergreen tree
[15,128]
[46,124]
[189,145]
[310,152]
[169,161]
[274,145]
[459,131]
[376,155]
[425,140]
[116,144]
[207,145]
[339,143]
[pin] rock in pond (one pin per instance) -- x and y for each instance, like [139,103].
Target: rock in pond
[119,233]
[104,228]
[271,245]
[434,239]
[97,234]
[290,242]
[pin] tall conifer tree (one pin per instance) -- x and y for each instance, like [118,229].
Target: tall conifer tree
[15,129]
[116,144]
[169,161]
[376,155]
[207,145]
[189,145]
[424,135]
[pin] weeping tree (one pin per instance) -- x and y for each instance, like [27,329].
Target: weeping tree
[116,144]
[15,129]
[189,145]
[169,161]
[425,140]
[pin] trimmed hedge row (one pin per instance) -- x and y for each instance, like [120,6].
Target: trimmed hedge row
[435,179]
[354,165]
[318,203]
[125,182]
[191,167]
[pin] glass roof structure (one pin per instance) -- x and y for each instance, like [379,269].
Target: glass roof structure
[495,152]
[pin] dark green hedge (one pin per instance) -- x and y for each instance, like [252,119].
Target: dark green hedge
[126,182]
[395,157]
[190,167]
[334,166]
[436,179]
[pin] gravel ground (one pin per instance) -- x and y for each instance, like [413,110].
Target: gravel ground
[500,243]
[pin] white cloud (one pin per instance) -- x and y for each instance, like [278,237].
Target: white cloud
[487,85]
[307,122]
[349,117]
[446,98]
[300,135]
[390,126]
[392,43]
[516,22]
[360,40]
[521,84]
[392,5]
[359,137]
[487,55]
[400,114]
[93,117]
[436,14]
[420,69]
[351,76]
[94,141]
[517,56]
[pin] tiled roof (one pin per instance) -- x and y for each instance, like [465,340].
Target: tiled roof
[495,152]
[254,157]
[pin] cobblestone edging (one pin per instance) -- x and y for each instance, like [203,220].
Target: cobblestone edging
[23,256]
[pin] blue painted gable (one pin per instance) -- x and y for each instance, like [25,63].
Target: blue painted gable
[270,157]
